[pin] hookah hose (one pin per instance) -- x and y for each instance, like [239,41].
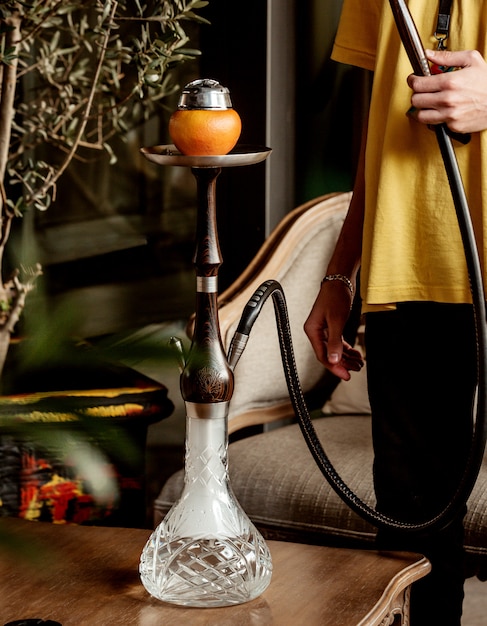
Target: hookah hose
[272,288]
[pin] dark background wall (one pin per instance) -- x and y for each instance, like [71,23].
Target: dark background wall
[234,53]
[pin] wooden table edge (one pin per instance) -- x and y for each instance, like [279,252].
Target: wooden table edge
[399,583]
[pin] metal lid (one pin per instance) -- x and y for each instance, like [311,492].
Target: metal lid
[205,93]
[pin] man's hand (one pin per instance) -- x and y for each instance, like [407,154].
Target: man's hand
[324,328]
[456,98]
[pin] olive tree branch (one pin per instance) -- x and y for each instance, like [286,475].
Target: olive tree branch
[86,116]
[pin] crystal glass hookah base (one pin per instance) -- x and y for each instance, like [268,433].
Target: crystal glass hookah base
[206,552]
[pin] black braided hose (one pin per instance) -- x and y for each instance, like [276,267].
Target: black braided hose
[272,288]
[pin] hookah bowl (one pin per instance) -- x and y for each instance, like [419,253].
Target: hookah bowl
[206,552]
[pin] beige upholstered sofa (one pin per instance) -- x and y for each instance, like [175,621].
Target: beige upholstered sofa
[272,473]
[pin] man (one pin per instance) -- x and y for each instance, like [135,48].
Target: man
[402,232]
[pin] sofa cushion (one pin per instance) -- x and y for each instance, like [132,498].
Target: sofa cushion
[288,493]
[282,490]
[350,397]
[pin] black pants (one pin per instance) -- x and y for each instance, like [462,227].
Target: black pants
[421,365]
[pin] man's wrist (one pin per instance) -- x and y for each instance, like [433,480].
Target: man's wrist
[342,279]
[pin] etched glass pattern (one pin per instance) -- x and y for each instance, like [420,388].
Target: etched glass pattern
[206,552]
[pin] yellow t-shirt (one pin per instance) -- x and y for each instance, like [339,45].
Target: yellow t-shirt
[412,247]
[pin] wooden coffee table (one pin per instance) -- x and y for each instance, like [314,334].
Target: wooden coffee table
[88,576]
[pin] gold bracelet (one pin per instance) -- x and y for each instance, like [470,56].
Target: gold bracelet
[340,277]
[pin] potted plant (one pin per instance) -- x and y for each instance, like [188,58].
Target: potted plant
[73,77]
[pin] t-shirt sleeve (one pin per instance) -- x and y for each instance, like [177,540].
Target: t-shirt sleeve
[356,39]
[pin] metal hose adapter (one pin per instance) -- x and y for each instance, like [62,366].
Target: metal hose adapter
[249,315]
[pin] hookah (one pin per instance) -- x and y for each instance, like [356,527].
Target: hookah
[206,551]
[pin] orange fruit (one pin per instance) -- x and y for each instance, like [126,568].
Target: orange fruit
[200,132]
